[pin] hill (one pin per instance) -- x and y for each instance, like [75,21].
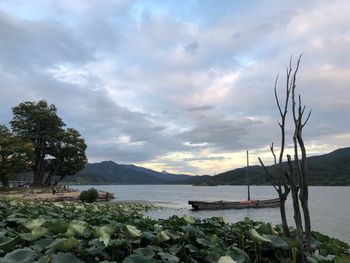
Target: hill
[109,172]
[328,169]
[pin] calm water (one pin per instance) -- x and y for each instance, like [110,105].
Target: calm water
[329,206]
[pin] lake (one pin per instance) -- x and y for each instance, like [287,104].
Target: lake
[329,205]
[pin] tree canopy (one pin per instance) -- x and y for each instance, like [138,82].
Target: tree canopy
[69,156]
[15,155]
[55,151]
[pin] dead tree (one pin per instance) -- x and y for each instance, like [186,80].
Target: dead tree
[293,179]
[301,164]
[297,215]
[281,187]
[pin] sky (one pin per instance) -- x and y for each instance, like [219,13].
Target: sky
[182,86]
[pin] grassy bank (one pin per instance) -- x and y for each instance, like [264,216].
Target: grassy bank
[74,232]
[47,194]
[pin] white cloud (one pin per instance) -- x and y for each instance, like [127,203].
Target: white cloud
[145,80]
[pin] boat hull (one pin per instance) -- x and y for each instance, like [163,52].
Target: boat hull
[217,205]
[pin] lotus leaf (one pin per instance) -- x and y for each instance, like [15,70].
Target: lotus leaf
[36,233]
[109,233]
[277,242]
[144,251]
[65,258]
[203,242]
[10,244]
[42,243]
[76,227]
[162,236]
[166,257]
[132,232]
[191,248]
[257,237]
[135,258]
[104,233]
[23,255]
[226,259]
[57,226]
[174,249]
[31,224]
[65,244]
[189,219]
[238,255]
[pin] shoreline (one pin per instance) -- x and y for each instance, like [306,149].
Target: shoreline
[49,194]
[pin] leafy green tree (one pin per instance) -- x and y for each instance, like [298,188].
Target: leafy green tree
[39,123]
[69,157]
[14,155]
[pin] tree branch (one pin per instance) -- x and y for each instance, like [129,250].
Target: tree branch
[268,173]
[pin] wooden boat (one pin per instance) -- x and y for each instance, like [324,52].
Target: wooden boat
[216,205]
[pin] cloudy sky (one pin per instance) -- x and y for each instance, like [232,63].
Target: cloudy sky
[185,86]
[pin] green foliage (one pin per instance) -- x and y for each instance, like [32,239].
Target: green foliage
[39,124]
[89,232]
[89,195]
[69,155]
[14,155]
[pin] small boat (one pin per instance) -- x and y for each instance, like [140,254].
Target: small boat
[216,205]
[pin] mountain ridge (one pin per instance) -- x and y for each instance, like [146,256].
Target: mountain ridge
[327,169]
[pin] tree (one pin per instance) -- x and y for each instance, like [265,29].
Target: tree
[39,123]
[294,178]
[69,157]
[280,177]
[14,155]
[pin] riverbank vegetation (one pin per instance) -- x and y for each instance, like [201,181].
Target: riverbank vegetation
[76,232]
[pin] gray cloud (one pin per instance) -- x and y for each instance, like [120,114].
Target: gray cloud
[201,108]
[139,80]
[192,47]
[202,159]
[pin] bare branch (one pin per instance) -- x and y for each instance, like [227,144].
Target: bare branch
[307,119]
[273,153]
[276,96]
[268,173]
[302,111]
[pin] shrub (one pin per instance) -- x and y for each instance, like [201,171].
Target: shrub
[89,196]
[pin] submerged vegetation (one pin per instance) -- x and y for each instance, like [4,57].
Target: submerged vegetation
[75,232]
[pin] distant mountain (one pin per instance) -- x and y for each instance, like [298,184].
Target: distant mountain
[328,169]
[109,172]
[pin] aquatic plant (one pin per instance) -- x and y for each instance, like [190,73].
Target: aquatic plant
[88,232]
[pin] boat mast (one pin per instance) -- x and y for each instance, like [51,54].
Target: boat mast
[247,177]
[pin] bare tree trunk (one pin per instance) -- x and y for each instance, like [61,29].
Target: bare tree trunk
[297,215]
[294,182]
[301,164]
[283,198]
[282,194]
[39,170]
[48,180]
[59,180]
[304,195]
[38,176]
